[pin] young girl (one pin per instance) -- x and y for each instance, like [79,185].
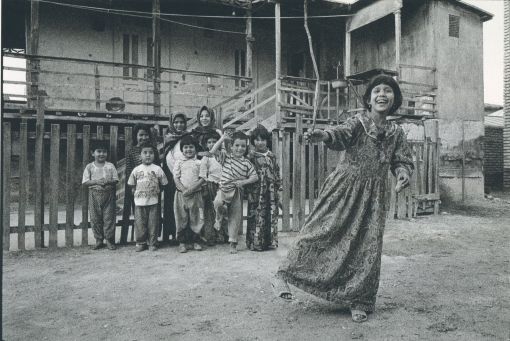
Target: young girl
[263,196]
[141,134]
[206,122]
[337,255]
[188,203]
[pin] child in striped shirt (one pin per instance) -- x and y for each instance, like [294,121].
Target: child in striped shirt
[236,172]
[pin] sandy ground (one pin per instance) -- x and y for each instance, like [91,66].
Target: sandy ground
[443,277]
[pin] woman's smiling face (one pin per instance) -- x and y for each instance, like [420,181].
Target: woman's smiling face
[382,98]
[205,118]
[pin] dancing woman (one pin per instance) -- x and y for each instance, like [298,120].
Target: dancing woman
[337,255]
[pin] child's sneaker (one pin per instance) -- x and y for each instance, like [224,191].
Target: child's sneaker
[140,247]
[233,248]
[110,245]
[182,248]
[153,248]
[197,247]
[99,245]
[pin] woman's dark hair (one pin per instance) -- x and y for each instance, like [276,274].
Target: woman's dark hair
[181,115]
[388,80]
[139,127]
[211,115]
[188,140]
[263,133]
[206,137]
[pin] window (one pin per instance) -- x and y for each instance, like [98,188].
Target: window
[453,25]
[130,55]
[240,66]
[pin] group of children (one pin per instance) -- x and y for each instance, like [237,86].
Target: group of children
[211,173]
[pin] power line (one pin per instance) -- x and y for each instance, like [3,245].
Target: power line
[120,11]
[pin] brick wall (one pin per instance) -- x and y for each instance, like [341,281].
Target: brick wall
[506,129]
[493,158]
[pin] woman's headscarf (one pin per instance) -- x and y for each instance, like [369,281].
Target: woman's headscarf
[173,135]
[200,131]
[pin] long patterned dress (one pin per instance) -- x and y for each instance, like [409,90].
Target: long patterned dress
[337,255]
[263,198]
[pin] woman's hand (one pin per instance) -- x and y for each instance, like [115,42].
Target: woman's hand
[402,181]
[316,135]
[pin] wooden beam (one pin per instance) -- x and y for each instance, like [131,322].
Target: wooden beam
[347,61]
[249,43]
[398,36]
[6,184]
[33,48]
[278,60]
[156,50]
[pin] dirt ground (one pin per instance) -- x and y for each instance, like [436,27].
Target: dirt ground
[443,277]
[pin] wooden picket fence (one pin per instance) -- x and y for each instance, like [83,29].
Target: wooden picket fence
[304,168]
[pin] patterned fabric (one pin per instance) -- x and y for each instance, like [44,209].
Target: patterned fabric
[233,169]
[263,199]
[102,214]
[93,172]
[187,171]
[148,180]
[337,255]
[146,224]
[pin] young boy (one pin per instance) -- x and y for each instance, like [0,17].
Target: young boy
[236,172]
[101,177]
[210,171]
[188,202]
[146,182]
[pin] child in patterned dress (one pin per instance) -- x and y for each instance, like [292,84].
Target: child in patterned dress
[263,196]
[100,176]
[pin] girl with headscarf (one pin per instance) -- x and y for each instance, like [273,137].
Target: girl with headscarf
[206,122]
[337,255]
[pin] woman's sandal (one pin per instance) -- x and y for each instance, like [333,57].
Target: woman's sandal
[358,316]
[281,288]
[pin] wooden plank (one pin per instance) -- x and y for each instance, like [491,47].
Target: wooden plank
[430,163]
[70,188]
[24,180]
[278,60]
[38,165]
[97,86]
[113,144]
[296,187]
[286,185]
[85,190]
[156,41]
[302,181]
[128,136]
[6,183]
[100,135]
[54,183]
[311,176]
[436,167]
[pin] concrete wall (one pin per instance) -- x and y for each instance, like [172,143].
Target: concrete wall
[459,76]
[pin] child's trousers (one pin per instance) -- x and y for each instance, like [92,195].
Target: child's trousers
[146,224]
[234,214]
[102,214]
[189,213]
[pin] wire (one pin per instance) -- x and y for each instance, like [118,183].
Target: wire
[150,14]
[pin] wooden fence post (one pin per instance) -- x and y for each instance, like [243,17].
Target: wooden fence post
[54,184]
[39,183]
[6,177]
[85,190]
[296,187]
[286,181]
[311,176]
[70,190]
[23,189]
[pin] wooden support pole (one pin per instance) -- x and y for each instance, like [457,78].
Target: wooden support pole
[398,35]
[85,190]
[249,43]
[347,62]
[70,188]
[278,60]
[6,185]
[156,50]
[97,86]
[33,49]
[39,183]
[286,181]
[23,188]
